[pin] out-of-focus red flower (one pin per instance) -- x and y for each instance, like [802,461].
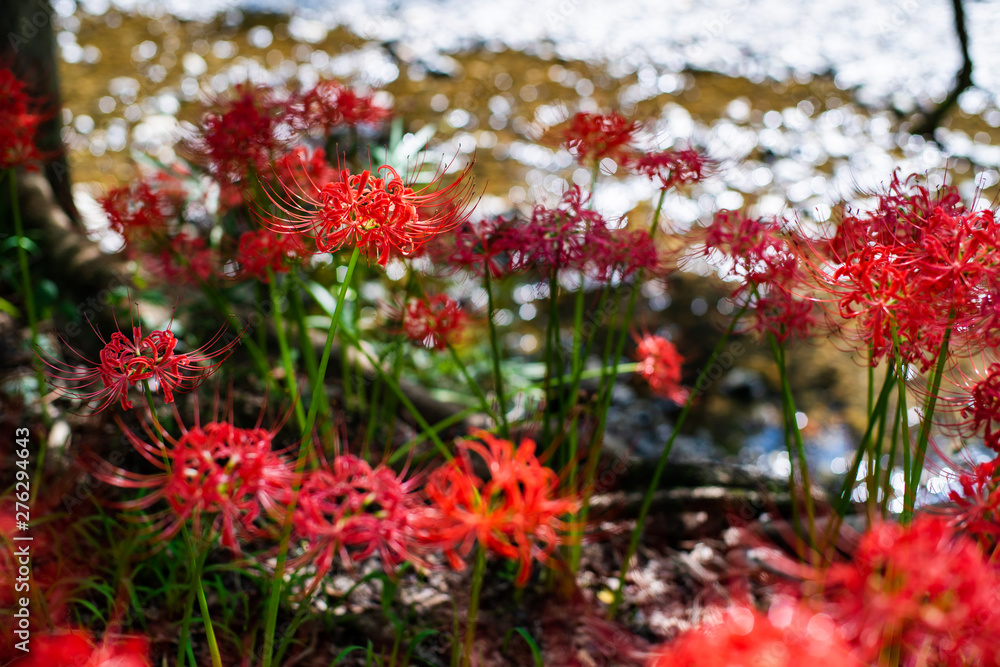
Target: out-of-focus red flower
[75,648]
[555,238]
[983,409]
[262,249]
[303,170]
[660,365]
[141,210]
[434,322]
[787,636]
[976,508]
[217,475]
[592,137]
[920,594]
[188,258]
[672,168]
[480,246]
[352,510]
[517,514]
[608,252]
[783,315]
[124,363]
[19,121]
[376,212]
[330,104]
[241,132]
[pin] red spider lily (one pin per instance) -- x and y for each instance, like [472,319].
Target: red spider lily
[435,322]
[555,238]
[783,315]
[241,133]
[330,104]
[977,507]
[787,636]
[124,363]
[216,473]
[188,258]
[983,408]
[19,123]
[608,252]
[919,594]
[375,212]
[660,365]
[594,136]
[141,211]
[261,250]
[304,169]
[672,168]
[353,510]
[919,265]
[485,245]
[517,514]
[756,251]
[75,648]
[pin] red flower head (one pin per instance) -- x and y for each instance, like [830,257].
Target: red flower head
[672,168]
[19,123]
[517,514]
[977,507]
[75,648]
[331,104]
[919,593]
[555,238]
[783,315]
[375,212]
[983,409]
[592,137]
[434,322]
[262,249]
[241,133]
[660,365]
[488,244]
[141,210]
[124,363]
[607,252]
[226,476]
[355,511]
[788,636]
[188,258]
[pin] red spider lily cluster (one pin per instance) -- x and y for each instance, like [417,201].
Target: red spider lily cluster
[124,363]
[76,648]
[761,257]
[262,253]
[352,510]
[518,513]
[331,104]
[434,322]
[19,122]
[660,365]
[919,265]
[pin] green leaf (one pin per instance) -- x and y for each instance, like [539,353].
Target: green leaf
[535,651]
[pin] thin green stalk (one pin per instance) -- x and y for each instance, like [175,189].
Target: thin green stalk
[898,420]
[551,348]
[277,582]
[291,379]
[206,617]
[495,346]
[790,415]
[436,428]
[185,636]
[661,465]
[478,572]
[222,306]
[913,474]
[473,385]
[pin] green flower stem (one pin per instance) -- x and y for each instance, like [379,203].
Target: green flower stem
[661,465]
[551,350]
[790,411]
[898,424]
[278,580]
[393,385]
[495,346]
[478,572]
[298,309]
[206,617]
[913,473]
[291,379]
[222,306]
[436,428]
[473,385]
